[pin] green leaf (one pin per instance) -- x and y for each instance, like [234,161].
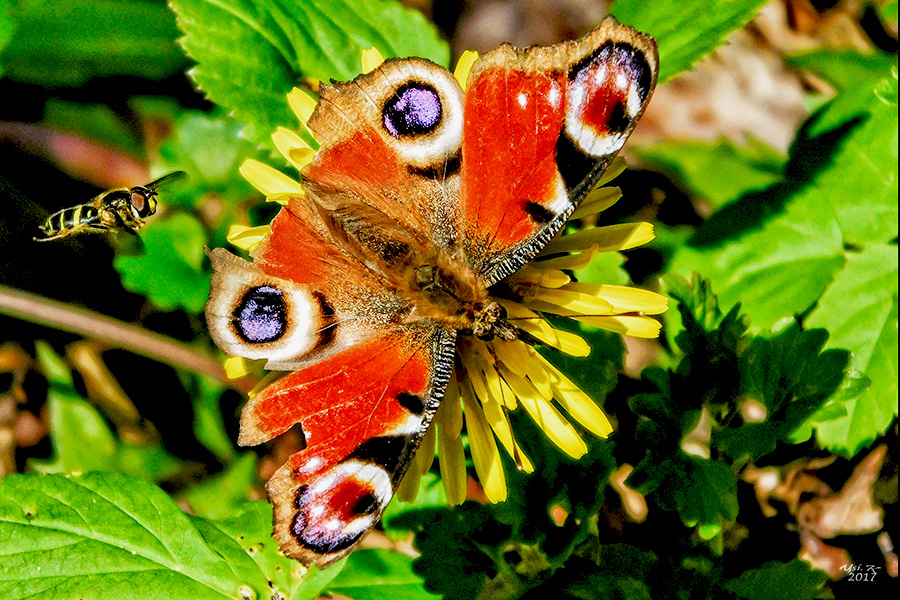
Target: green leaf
[7,28]
[704,492]
[774,270]
[606,268]
[220,495]
[107,536]
[171,273]
[860,310]
[67,43]
[794,580]
[250,55]
[251,527]
[889,11]
[720,171]
[862,182]
[209,426]
[686,30]
[209,149]
[81,439]
[622,572]
[431,495]
[376,574]
[792,377]
[844,68]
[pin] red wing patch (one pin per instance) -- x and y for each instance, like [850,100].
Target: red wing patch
[362,412]
[510,182]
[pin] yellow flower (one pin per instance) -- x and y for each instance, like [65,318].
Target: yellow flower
[498,376]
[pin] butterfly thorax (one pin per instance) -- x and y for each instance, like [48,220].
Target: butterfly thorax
[445,289]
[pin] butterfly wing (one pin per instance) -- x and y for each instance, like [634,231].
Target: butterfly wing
[541,125]
[327,294]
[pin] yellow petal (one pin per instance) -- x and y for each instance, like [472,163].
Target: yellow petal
[608,238]
[236,367]
[245,237]
[557,428]
[424,456]
[484,449]
[634,326]
[578,404]
[293,148]
[449,413]
[282,198]
[463,66]
[549,278]
[409,485]
[302,104]
[528,320]
[573,262]
[269,181]
[574,300]
[597,200]
[452,460]
[513,355]
[615,168]
[624,299]
[371,58]
[499,422]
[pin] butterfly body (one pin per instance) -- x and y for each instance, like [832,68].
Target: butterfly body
[420,200]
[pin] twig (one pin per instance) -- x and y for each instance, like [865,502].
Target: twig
[41,310]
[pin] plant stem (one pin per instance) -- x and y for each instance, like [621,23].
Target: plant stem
[41,310]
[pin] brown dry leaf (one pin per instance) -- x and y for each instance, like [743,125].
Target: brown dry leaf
[821,556]
[852,511]
[634,503]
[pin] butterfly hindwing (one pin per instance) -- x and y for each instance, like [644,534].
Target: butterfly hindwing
[362,413]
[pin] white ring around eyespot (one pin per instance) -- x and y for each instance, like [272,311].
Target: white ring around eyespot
[432,148]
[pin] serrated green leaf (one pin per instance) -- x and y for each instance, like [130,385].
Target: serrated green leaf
[686,30]
[120,538]
[775,270]
[218,496]
[171,272]
[251,527]
[794,580]
[622,572]
[720,171]
[67,43]
[250,55]
[704,492]
[792,377]
[860,310]
[376,574]
[862,182]
[845,68]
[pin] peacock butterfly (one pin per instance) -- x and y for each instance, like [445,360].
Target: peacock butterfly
[420,198]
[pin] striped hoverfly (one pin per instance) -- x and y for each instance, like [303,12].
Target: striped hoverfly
[121,209]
